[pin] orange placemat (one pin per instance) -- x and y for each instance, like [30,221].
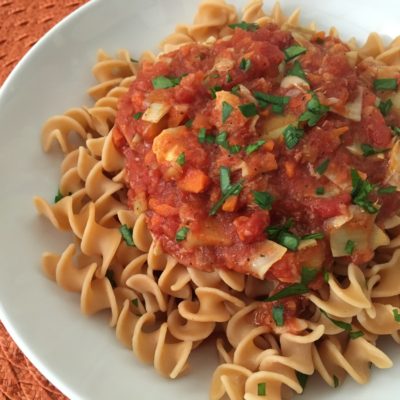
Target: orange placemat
[23,22]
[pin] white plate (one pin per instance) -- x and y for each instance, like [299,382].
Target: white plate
[81,355]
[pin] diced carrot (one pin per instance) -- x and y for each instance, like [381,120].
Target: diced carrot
[340,131]
[164,210]
[230,204]
[194,181]
[269,145]
[289,168]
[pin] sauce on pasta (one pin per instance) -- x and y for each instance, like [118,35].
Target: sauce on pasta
[260,153]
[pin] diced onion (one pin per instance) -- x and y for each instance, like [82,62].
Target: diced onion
[268,253]
[169,144]
[224,64]
[305,244]
[155,112]
[296,81]
[379,238]
[393,171]
[353,109]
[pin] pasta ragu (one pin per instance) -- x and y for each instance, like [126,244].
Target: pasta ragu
[242,184]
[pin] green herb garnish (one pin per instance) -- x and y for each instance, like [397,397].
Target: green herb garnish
[322,167]
[308,275]
[189,123]
[261,389]
[295,289]
[315,111]
[263,199]
[395,130]
[222,140]
[345,326]
[326,276]
[385,84]
[302,378]
[385,107]
[137,115]
[368,150]
[293,52]
[320,191]
[164,82]
[297,70]
[265,99]
[135,302]
[387,190]
[251,148]
[248,110]
[245,64]
[126,234]
[316,236]
[58,196]
[292,136]
[349,247]
[361,191]
[181,159]
[181,233]
[204,138]
[226,111]
[277,315]
[232,190]
[356,334]
[214,90]
[396,315]
[228,78]
[224,178]
[246,26]
[335,381]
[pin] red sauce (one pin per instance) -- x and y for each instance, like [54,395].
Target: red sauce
[177,196]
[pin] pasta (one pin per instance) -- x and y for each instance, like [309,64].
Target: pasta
[321,314]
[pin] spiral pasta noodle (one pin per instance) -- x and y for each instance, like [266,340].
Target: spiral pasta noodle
[161,309]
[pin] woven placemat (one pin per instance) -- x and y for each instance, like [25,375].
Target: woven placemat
[23,23]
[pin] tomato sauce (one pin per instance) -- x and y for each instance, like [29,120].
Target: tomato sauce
[174,160]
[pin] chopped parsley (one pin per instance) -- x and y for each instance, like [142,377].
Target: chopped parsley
[181,233]
[385,107]
[164,82]
[320,170]
[251,148]
[204,138]
[320,191]
[277,315]
[181,159]
[277,109]
[297,70]
[126,234]
[226,111]
[135,302]
[315,111]
[385,84]
[248,109]
[326,276]
[58,196]
[345,326]
[281,234]
[261,389]
[361,191]
[316,236]
[265,99]
[235,90]
[349,247]
[368,150]
[292,136]
[335,381]
[246,26]
[302,378]
[137,116]
[396,315]
[356,334]
[308,275]
[231,190]
[222,140]
[293,52]
[224,178]
[387,190]
[295,289]
[263,199]
[395,131]
[228,78]
[245,64]
[214,90]
[133,60]
[189,123]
